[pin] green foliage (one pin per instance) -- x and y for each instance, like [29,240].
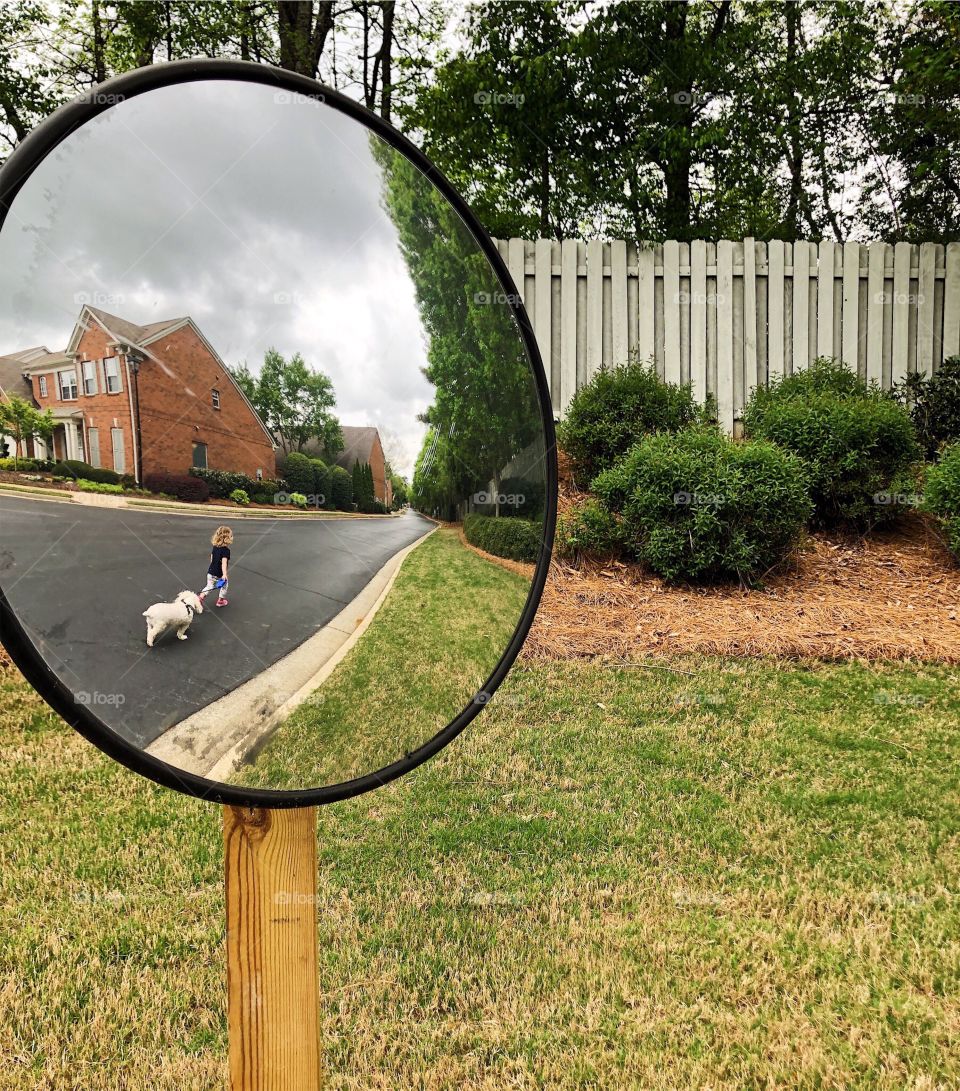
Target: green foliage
[484,406]
[98,486]
[696,505]
[516,539]
[298,472]
[942,496]
[615,410]
[19,464]
[295,402]
[934,405]
[22,421]
[181,486]
[240,496]
[401,491]
[341,489]
[588,529]
[298,499]
[855,441]
[363,490]
[528,493]
[223,482]
[321,482]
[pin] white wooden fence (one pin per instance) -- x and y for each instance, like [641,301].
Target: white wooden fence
[726,316]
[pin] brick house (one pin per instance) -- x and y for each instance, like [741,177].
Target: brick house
[142,399]
[361,445]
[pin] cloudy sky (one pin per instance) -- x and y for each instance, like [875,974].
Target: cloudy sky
[254,211]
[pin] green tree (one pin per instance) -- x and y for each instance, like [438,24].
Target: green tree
[294,402]
[22,421]
[484,410]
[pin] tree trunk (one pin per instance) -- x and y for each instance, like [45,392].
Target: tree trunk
[301,39]
[386,61]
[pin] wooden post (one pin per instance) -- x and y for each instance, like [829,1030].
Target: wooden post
[273,980]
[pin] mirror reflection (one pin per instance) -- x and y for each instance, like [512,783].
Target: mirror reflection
[273,472]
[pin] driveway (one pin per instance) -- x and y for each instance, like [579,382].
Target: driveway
[80,577]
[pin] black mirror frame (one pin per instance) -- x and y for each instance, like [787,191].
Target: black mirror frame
[18,168]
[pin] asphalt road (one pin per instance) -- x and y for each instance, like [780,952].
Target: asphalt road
[80,578]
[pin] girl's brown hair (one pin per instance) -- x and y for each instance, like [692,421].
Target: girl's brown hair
[222,536]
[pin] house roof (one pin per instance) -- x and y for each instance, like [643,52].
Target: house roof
[12,382]
[358,445]
[125,330]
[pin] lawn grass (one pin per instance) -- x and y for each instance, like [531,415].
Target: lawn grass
[617,878]
[429,648]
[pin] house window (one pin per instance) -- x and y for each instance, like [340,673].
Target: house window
[200,456]
[93,442]
[119,456]
[68,385]
[111,373]
[215,398]
[43,386]
[89,368]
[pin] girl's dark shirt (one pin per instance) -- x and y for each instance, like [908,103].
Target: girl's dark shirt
[216,567]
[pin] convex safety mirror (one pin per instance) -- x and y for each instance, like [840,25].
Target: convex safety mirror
[266,366]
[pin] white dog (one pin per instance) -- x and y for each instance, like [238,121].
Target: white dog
[172,615]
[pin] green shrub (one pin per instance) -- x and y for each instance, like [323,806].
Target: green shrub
[223,482]
[298,472]
[181,486]
[942,495]
[341,488]
[298,499]
[263,497]
[240,496]
[105,477]
[615,410]
[22,465]
[854,440]
[98,486]
[588,530]
[934,405]
[528,494]
[696,505]
[322,478]
[516,539]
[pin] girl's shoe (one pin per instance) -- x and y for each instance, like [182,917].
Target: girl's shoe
[221,601]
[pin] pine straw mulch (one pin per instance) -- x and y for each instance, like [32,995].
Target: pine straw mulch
[892,595]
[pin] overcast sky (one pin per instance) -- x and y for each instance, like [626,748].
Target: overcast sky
[254,211]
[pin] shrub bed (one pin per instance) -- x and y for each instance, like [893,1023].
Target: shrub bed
[615,410]
[699,506]
[98,486]
[588,529]
[856,442]
[516,539]
[942,495]
[182,486]
[298,472]
[935,405]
